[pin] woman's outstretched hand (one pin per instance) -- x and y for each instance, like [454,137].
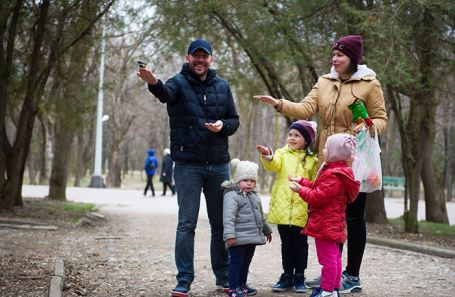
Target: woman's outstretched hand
[267,100]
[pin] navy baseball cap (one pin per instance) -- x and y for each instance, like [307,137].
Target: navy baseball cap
[200,44]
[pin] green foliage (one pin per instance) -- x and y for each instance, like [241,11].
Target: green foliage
[73,207]
[252,36]
[429,228]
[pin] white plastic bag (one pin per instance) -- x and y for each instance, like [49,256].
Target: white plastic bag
[367,162]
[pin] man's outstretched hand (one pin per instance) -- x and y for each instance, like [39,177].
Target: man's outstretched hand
[147,75]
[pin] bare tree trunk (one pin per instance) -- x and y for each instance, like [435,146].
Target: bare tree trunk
[114,177]
[79,160]
[412,192]
[375,209]
[47,131]
[435,205]
[31,171]
[60,165]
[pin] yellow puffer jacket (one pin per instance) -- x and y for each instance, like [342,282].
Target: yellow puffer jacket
[286,207]
[331,97]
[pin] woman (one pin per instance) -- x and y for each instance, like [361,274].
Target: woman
[331,96]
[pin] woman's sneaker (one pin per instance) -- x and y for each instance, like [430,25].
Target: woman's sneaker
[314,283]
[350,284]
[286,282]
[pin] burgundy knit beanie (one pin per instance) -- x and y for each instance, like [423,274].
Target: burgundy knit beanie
[351,46]
[307,129]
[341,147]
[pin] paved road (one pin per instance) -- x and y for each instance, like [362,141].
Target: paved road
[394,206]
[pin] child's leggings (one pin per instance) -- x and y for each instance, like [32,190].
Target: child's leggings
[329,256]
[294,249]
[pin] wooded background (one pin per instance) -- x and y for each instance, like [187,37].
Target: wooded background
[49,77]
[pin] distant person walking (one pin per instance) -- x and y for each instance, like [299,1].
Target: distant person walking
[150,166]
[167,169]
[202,115]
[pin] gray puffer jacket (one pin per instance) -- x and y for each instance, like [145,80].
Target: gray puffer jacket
[243,218]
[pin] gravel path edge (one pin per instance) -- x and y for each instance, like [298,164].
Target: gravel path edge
[57,280]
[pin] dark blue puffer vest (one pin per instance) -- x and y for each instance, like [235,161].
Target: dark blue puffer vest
[190,104]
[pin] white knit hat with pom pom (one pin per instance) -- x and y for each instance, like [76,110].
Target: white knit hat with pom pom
[244,170]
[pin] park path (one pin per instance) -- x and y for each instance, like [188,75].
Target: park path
[394,206]
[139,260]
[132,255]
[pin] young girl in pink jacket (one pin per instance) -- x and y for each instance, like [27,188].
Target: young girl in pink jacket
[327,198]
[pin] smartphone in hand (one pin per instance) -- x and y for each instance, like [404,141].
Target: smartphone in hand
[141,64]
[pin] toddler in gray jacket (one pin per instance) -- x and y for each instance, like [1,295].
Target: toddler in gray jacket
[244,224]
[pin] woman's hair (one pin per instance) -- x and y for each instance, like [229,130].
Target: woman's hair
[353,66]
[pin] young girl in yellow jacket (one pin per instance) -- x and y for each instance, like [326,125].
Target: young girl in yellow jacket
[287,209]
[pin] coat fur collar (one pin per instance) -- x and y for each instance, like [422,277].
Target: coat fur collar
[363,72]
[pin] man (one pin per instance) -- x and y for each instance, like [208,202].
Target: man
[202,115]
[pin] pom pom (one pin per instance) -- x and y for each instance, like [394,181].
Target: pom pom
[234,163]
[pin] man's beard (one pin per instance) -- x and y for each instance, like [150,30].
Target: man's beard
[199,74]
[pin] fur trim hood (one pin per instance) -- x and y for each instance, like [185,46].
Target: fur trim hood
[229,185]
[362,72]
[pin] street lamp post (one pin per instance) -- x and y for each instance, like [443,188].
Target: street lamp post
[97,180]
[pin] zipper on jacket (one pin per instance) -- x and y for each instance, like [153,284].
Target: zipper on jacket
[293,194]
[332,124]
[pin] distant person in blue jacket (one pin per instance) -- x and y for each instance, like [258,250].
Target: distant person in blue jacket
[202,115]
[151,163]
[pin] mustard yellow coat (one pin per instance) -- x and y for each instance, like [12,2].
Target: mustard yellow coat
[286,207]
[331,97]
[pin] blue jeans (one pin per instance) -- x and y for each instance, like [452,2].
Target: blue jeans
[240,257]
[190,180]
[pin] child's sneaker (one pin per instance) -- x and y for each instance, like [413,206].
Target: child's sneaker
[181,290]
[314,283]
[318,292]
[286,282]
[299,283]
[350,284]
[236,293]
[248,291]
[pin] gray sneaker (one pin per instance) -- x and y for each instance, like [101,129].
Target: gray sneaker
[313,283]
[350,284]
